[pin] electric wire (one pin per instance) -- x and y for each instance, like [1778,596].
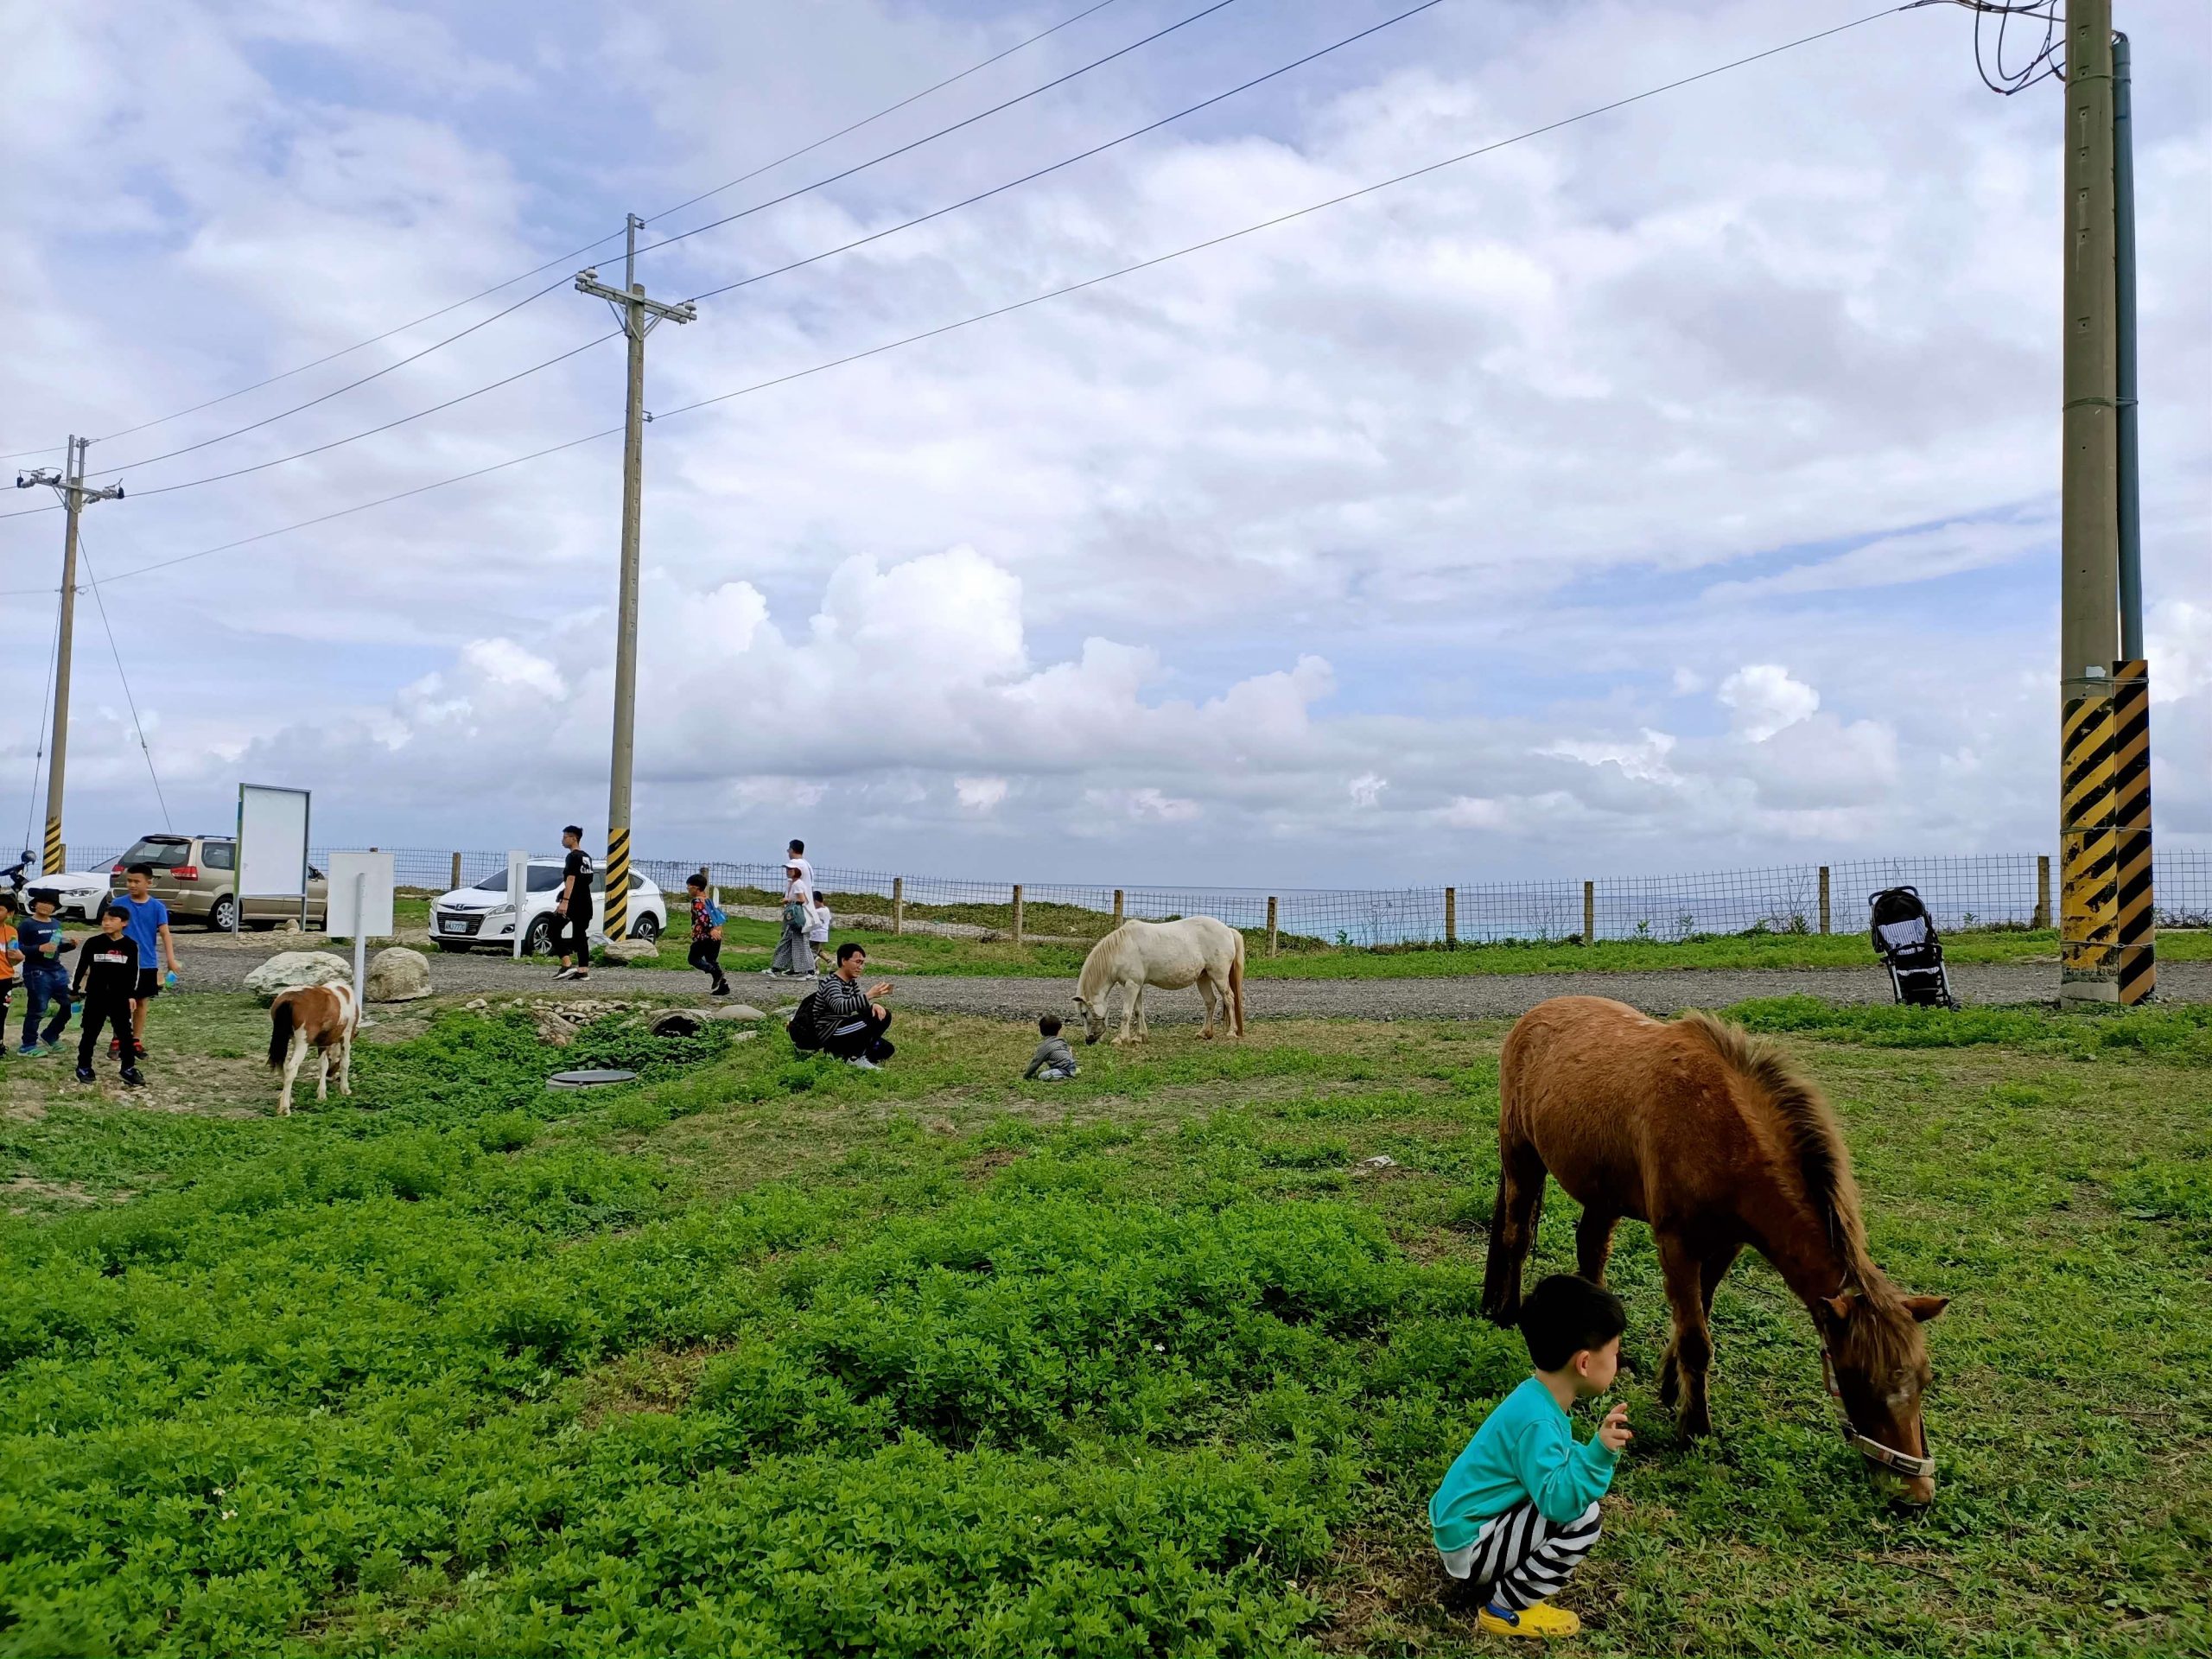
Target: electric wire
[138,726]
[589,247]
[1053,293]
[2044,63]
[932,137]
[45,709]
[1081,156]
[268,420]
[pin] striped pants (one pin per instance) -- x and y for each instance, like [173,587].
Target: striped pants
[1524,1557]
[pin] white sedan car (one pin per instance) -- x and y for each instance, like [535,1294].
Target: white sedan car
[469,916]
[78,894]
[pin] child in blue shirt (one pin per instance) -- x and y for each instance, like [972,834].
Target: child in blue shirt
[146,922]
[1518,1509]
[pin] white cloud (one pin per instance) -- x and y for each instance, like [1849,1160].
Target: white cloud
[1764,697]
[1367,789]
[980,794]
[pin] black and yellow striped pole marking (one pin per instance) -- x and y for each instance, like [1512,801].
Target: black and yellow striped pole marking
[2131,748]
[56,855]
[618,883]
[2089,882]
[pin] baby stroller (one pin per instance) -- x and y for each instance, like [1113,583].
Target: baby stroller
[1904,934]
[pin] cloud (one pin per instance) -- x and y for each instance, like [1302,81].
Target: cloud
[1910,557]
[1765,698]
[980,794]
[1367,789]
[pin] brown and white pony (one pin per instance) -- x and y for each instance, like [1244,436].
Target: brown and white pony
[1707,1135]
[321,1017]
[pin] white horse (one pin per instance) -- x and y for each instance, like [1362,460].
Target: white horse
[1197,950]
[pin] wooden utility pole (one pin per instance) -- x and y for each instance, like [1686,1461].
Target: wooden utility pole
[637,316]
[69,485]
[2088,619]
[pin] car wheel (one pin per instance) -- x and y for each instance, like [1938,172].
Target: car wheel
[647,928]
[540,939]
[222,913]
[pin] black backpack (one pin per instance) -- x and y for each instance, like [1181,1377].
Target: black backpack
[804,1036]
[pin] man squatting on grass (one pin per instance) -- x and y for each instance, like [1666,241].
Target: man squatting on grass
[1518,1509]
[848,1022]
[107,975]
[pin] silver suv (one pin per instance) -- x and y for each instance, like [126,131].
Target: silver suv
[197,877]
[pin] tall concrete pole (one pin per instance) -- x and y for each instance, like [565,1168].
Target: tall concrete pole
[57,763]
[2088,612]
[638,315]
[69,485]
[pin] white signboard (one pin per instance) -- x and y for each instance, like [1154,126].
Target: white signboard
[360,896]
[272,849]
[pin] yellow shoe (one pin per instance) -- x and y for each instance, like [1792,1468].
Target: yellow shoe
[1542,1619]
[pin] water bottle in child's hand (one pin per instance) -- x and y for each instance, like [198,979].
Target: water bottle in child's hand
[168,979]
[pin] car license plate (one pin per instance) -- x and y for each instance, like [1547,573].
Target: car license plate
[454,925]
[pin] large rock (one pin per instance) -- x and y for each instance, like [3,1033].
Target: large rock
[629,950]
[731,1011]
[398,974]
[288,971]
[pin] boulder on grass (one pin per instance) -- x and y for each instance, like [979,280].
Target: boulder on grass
[626,951]
[288,970]
[731,1011]
[398,974]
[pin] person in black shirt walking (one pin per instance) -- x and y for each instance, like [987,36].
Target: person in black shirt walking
[107,978]
[572,910]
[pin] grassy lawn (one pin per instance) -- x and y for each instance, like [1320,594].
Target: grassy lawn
[765,1354]
[748,945]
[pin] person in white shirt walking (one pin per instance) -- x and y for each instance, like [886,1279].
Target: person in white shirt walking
[793,960]
[817,933]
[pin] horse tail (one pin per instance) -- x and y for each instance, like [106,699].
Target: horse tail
[1507,1245]
[1237,982]
[280,1033]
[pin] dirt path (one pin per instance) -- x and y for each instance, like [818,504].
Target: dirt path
[215,965]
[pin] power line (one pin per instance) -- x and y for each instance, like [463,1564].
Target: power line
[932,137]
[1081,156]
[2044,61]
[569,258]
[1039,173]
[355,437]
[45,707]
[137,724]
[335,391]
[1040,299]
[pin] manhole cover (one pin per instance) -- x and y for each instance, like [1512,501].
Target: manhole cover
[588,1080]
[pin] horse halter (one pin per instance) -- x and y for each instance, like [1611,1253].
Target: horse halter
[1883,1457]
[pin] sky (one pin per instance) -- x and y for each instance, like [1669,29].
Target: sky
[1671,491]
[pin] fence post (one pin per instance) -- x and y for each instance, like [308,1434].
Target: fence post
[1017,913]
[1824,898]
[1451,918]
[898,904]
[456,869]
[1589,912]
[2042,890]
[1271,924]
[1117,906]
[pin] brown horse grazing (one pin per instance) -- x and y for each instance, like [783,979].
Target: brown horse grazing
[321,1017]
[1707,1135]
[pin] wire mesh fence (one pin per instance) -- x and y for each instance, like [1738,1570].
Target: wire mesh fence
[1991,890]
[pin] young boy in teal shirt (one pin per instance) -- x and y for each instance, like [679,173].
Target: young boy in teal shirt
[1518,1509]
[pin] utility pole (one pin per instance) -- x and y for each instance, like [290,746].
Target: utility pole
[69,485]
[2089,616]
[637,316]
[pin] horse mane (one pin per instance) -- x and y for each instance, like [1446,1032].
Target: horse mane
[1809,1130]
[1099,961]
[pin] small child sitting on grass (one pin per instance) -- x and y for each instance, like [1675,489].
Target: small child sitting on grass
[1054,1061]
[1518,1509]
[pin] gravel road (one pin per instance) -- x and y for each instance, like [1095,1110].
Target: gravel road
[214,963]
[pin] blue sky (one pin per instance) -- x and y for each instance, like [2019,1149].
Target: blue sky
[1675,489]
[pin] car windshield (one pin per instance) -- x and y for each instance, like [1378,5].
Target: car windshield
[543,878]
[162,852]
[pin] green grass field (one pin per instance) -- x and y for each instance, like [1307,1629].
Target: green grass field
[748,945]
[765,1354]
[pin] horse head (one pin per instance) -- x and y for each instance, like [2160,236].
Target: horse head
[1879,1363]
[1094,1018]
